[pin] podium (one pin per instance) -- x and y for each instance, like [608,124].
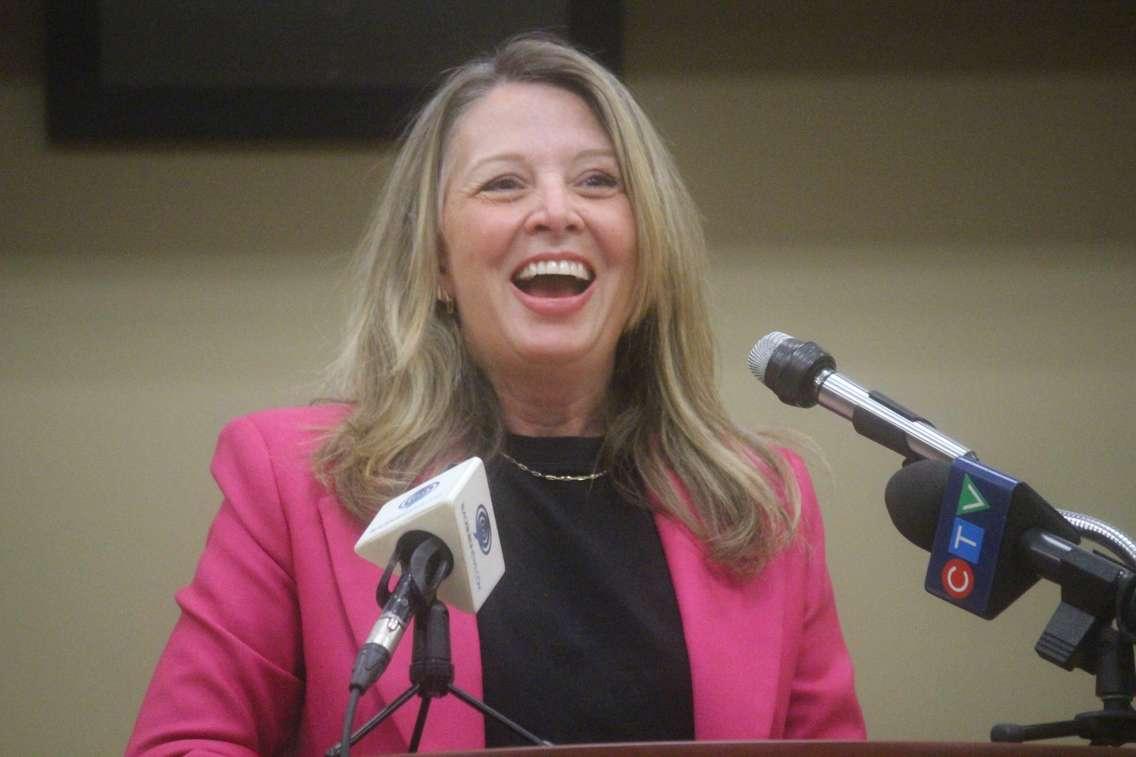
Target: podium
[788,749]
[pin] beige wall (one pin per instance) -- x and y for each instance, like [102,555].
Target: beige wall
[958,229]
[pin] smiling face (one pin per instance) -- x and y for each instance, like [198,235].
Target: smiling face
[539,247]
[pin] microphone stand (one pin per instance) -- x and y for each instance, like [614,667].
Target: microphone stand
[431,677]
[1094,592]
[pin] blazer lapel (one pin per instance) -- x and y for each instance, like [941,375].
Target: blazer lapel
[733,639]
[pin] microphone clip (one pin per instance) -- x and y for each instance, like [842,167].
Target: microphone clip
[424,559]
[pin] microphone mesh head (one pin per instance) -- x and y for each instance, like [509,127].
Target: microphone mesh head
[758,359]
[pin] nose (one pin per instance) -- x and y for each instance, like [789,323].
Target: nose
[554,210]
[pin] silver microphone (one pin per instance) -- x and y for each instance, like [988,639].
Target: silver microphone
[803,374]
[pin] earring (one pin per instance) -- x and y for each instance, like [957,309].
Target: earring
[446,300]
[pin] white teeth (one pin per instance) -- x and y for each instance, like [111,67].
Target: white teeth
[571,268]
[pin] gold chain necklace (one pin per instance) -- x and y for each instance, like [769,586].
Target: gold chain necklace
[553,476]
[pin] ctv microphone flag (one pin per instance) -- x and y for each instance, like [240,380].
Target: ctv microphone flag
[968,539]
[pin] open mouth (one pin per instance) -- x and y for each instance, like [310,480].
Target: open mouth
[554,278]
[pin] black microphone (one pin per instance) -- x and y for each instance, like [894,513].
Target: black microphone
[442,528]
[802,374]
[1037,542]
[426,562]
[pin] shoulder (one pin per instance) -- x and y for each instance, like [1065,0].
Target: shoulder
[802,542]
[788,475]
[274,448]
[284,429]
[290,424]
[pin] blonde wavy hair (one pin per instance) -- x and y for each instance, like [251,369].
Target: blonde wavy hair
[418,401]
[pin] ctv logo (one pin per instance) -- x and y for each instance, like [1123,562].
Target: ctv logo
[964,542]
[968,539]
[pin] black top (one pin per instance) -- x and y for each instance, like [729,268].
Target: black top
[581,640]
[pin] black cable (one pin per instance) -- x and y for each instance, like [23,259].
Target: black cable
[348,719]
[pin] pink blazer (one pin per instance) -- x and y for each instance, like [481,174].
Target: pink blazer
[259,660]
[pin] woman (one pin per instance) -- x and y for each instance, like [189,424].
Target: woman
[530,292]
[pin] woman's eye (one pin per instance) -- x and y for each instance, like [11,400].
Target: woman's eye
[501,184]
[600,179]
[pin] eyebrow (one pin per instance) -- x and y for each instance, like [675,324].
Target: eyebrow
[508,157]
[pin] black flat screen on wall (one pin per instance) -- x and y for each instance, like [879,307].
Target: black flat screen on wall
[130,70]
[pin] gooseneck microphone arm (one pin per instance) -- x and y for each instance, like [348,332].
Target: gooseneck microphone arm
[1108,536]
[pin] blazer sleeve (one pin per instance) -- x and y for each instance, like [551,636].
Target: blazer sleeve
[230,678]
[822,699]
